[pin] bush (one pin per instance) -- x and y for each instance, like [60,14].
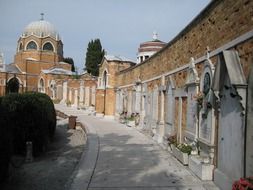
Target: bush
[5,144]
[185,148]
[31,117]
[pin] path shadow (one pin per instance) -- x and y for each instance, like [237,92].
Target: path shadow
[126,161]
[52,169]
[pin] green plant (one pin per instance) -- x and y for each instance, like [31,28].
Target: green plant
[131,118]
[185,148]
[32,117]
[68,102]
[76,76]
[5,143]
[56,101]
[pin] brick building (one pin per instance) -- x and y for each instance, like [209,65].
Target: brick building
[38,66]
[196,89]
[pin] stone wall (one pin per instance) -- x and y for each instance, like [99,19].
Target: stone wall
[222,25]
[218,24]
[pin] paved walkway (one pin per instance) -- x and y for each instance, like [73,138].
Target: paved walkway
[119,157]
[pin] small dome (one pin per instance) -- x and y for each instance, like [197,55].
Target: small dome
[41,28]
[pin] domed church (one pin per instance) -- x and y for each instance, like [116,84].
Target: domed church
[38,65]
[39,42]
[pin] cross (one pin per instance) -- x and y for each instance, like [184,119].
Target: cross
[42,16]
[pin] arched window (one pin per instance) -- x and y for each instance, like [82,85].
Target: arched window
[31,45]
[41,85]
[105,79]
[48,47]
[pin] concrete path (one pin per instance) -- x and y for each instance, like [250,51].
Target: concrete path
[119,157]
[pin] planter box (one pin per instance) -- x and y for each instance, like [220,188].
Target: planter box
[202,170]
[131,123]
[182,157]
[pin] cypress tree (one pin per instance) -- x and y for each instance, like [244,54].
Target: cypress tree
[94,56]
[70,61]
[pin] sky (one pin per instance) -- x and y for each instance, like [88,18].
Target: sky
[121,25]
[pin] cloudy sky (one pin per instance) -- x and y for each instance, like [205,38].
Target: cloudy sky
[121,25]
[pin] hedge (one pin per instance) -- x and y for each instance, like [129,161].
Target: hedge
[32,117]
[5,143]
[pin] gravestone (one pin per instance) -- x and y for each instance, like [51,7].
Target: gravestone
[170,107]
[206,113]
[201,121]
[192,83]
[147,118]
[154,107]
[230,86]
[249,134]
[191,112]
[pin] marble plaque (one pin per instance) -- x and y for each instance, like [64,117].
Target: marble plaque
[191,110]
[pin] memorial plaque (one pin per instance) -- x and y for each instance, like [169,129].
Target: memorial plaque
[191,110]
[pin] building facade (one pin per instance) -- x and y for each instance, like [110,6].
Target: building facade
[38,66]
[197,89]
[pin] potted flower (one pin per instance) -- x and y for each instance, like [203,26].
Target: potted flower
[243,184]
[131,120]
[122,117]
[182,152]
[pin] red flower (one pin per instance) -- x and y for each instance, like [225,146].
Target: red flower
[243,184]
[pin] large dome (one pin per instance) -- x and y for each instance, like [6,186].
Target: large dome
[41,28]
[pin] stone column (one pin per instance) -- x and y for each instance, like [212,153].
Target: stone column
[161,119]
[143,106]
[76,98]
[87,96]
[93,95]
[117,102]
[129,103]
[70,95]
[59,92]
[81,94]
[180,120]
[65,91]
[138,100]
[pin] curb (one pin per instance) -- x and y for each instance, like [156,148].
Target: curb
[87,164]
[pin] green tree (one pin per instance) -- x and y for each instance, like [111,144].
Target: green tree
[94,56]
[70,61]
